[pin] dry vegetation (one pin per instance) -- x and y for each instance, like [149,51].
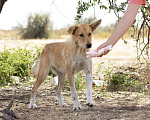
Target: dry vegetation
[9,34]
[62,34]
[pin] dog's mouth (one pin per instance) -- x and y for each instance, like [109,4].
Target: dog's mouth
[88,45]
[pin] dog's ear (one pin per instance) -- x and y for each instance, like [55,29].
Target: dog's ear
[95,24]
[72,29]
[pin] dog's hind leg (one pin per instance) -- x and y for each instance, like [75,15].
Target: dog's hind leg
[35,68]
[43,71]
[61,80]
[74,94]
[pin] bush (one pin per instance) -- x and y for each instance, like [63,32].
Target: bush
[38,26]
[16,62]
[120,80]
[123,81]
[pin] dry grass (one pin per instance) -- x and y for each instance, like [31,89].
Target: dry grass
[9,34]
[15,34]
[59,34]
[105,34]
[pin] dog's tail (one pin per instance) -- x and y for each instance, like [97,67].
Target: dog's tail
[35,68]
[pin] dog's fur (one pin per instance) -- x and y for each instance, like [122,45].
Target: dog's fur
[67,58]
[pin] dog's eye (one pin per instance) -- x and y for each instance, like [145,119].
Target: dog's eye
[89,34]
[81,35]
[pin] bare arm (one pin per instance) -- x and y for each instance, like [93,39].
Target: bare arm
[124,24]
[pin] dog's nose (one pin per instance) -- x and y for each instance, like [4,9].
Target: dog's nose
[88,45]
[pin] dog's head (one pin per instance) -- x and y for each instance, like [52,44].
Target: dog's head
[82,33]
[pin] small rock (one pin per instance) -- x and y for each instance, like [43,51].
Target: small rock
[54,81]
[15,79]
[99,83]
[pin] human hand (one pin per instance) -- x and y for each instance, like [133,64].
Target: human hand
[97,53]
[103,46]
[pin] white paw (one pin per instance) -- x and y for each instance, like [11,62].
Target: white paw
[77,106]
[89,103]
[63,104]
[32,106]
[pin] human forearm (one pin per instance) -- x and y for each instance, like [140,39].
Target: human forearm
[124,24]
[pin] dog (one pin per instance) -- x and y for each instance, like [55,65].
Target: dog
[67,58]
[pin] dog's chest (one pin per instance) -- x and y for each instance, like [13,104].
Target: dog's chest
[81,63]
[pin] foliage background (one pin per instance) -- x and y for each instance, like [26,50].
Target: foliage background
[16,62]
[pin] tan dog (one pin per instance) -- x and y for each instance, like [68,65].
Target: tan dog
[67,58]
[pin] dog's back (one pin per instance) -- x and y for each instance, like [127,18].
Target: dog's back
[51,52]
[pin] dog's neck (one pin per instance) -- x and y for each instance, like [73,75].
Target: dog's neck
[77,49]
[81,51]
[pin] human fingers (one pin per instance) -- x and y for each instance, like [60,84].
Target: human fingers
[101,46]
[104,53]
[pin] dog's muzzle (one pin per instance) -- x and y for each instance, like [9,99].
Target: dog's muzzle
[88,45]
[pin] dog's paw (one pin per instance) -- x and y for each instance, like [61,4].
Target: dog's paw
[77,106]
[90,104]
[32,106]
[63,104]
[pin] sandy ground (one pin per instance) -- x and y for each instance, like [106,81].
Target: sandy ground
[107,106]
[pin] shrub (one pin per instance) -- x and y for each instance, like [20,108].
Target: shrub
[16,62]
[38,26]
[120,80]
[123,81]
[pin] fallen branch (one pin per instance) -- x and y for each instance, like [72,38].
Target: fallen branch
[7,113]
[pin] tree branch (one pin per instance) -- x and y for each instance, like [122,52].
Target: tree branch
[2,4]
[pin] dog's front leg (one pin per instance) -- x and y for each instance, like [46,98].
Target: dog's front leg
[74,94]
[89,100]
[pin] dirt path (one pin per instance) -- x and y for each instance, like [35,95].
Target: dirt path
[107,106]
[111,106]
